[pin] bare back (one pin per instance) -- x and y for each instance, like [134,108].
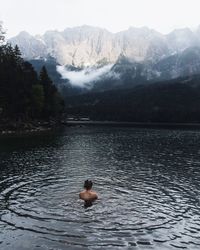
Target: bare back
[88,195]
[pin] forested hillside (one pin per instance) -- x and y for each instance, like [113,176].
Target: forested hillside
[24,95]
[171,101]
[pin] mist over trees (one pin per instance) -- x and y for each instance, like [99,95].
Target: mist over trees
[24,95]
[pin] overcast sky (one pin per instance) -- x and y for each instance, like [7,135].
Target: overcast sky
[37,16]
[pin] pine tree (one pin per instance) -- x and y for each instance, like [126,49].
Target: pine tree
[23,95]
[17,55]
[37,100]
[53,103]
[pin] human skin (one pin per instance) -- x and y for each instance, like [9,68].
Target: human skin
[88,195]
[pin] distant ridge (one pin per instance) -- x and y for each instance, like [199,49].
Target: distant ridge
[88,46]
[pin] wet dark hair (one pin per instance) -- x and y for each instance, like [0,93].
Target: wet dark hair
[88,184]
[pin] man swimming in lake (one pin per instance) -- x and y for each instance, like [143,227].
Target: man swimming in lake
[88,195]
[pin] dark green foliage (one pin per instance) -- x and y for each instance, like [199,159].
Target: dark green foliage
[173,101]
[53,104]
[22,95]
[38,99]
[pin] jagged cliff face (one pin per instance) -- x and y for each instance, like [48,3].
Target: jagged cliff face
[94,57]
[88,46]
[31,47]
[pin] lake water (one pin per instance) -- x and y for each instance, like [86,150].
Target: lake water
[148,182]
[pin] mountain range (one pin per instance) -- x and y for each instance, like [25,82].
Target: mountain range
[135,56]
[88,46]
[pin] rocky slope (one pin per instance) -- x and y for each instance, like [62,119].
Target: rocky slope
[87,46]
[135,56]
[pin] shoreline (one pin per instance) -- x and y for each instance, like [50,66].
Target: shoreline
[24,132]
[164,125]
[47,127]
[26,129]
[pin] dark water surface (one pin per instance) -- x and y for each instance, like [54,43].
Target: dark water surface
[148,182]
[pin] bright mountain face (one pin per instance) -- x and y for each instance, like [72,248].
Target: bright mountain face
[88,46]
[134,56]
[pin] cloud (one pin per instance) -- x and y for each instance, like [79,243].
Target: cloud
[85,77]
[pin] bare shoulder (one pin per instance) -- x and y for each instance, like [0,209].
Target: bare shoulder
[81,194]
[94,194]
[88,195]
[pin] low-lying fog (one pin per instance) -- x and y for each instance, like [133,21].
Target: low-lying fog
[84,77]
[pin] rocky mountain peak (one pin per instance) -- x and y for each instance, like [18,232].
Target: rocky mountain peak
[87,46]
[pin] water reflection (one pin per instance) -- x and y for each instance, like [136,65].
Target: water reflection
[148,181]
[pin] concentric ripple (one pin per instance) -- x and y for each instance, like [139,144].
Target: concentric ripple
[148,183]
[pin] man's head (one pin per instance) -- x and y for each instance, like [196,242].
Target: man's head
[88,185]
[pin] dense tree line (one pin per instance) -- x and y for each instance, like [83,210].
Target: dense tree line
[23,94]
[172,101]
